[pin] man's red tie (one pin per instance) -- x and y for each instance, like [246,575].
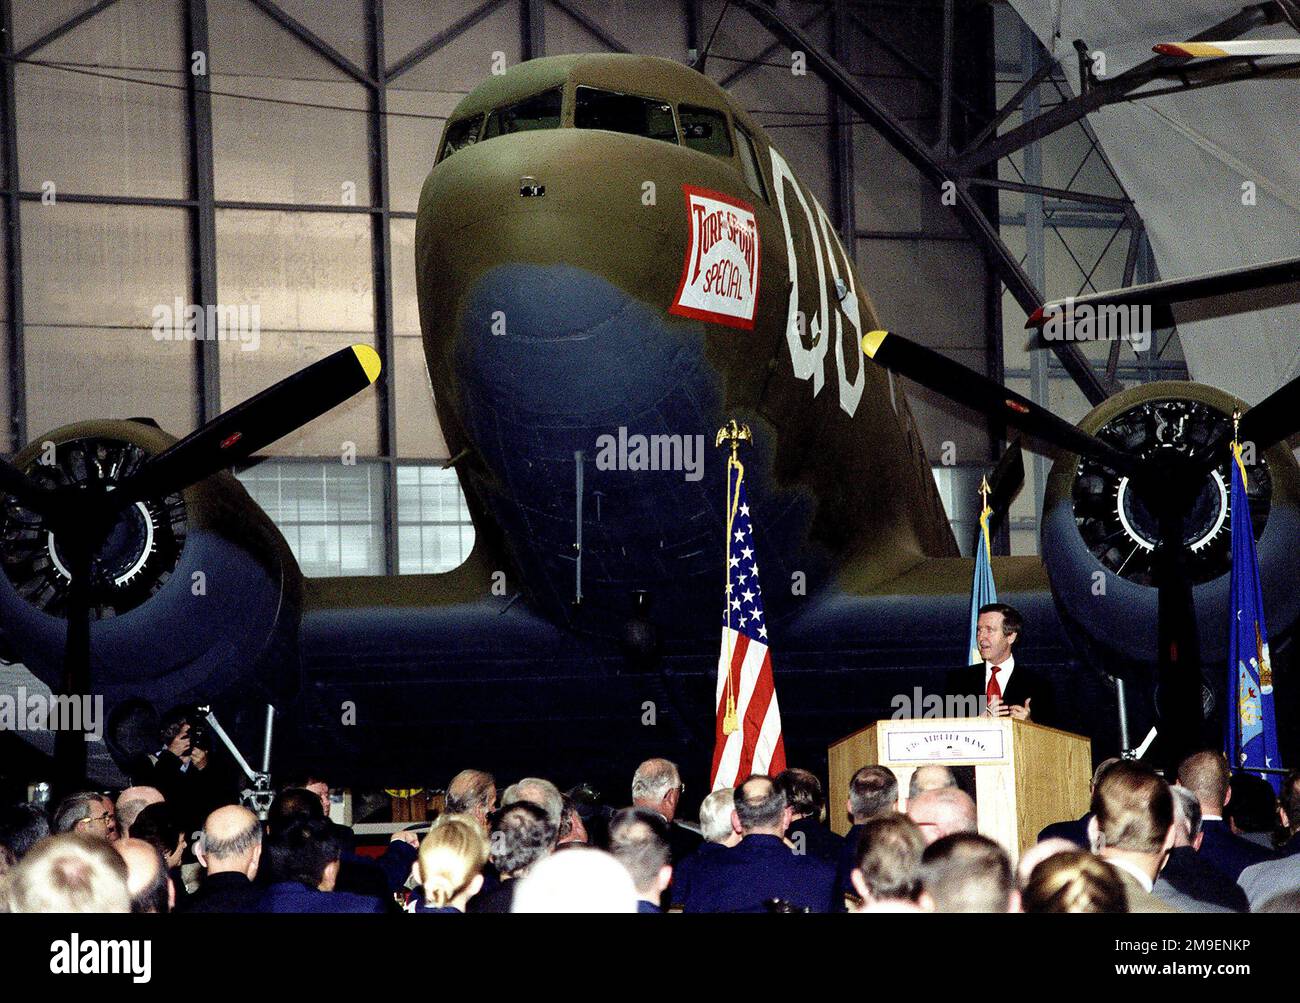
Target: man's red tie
[994,691]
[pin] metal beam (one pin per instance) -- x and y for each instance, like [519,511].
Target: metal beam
[203,219]
[840,137]
[314,41]
[591,27]
[771,50]
[532,28]
[922,74]
[61,30]
[16,432]
[382,254]
[1104,92]
[1015,101]
[1064,194]
[422,52]
[945,80]
[924,160]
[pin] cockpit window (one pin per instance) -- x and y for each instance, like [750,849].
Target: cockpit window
[596,109]
[541,111]
[749,162]
[461,134]
[705,130]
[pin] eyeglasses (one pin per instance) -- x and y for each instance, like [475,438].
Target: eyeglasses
[107,817]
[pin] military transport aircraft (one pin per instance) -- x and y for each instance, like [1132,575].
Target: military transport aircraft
[611,250]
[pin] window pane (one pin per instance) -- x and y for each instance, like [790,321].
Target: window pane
[271,151]
[627,113]
[434,530]
[331,514]
[130,138]
[461,134]
[749,164]
[705,130]
[541,111]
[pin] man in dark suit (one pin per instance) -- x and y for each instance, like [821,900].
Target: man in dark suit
[719,837]
[808,832]
[1206,775]
[304,861]
[1281,875]
[230,850]
[873,793]
[657,786]
[1188,881]
[638,839]
[1011,690]
[761,872]
[522,834]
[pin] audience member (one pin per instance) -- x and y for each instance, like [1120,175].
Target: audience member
[887,873]
[1074,881]
[150,888]
[230,850]
[873,792]
[638,839]
[87,812]
[1206,775]
[22,826]
[1187,881]
[719,835]
[303,861]
[1076,831]
[1271,878]
[808,832]
[581,880]
[967,872]
[943,812]
[760,872]
[522,835]
[572,830]
[1036,854]
[450,864]
[473,793]
[70,872]
[1251,811]
[131,802]
[930,778]
[657,785]
[536,791]
[1132,828]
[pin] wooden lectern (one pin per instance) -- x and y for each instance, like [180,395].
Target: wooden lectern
[1026,775]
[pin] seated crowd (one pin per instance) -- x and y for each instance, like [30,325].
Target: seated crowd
[1144,846]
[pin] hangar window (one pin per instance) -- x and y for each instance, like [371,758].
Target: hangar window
[434,530]
[705,130]
[461,134]
[614,112]
[541,111]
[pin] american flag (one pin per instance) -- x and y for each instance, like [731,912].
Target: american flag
[744,664]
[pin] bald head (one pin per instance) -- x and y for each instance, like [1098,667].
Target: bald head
[930,778]
[473,793]
[146,876]
[231,841]
[131,802]
[942,813]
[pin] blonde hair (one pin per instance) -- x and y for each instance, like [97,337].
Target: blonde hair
[451,855]
[1075,882]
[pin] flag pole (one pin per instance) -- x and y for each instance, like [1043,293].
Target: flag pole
[734,434]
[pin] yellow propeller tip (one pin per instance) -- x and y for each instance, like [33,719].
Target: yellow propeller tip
[871,342]
[369,360]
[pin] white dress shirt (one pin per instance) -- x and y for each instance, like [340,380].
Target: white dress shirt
[1004,674]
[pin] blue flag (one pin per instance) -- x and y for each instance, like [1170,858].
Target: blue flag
[1251,739]
[982,590]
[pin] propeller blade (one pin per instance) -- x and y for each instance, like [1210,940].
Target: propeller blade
[1239,47]
[29,494]
[965,386]
[1161,295]
[1273,419]
[256,423]
[1005,483]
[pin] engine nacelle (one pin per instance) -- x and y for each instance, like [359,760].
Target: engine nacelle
[196,594]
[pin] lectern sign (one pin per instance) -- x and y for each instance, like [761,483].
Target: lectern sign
[974,744]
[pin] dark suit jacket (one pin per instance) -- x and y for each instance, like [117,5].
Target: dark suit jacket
[848,860]
[1076,832]
[294,896]
[1025,684]
[818,841]
[682,842]
[1199,881]
[760,868]
[228,891]
[643,906]
[1229,852]
[499,899]
[684,873]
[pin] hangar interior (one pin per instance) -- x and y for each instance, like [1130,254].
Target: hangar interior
[288,187]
